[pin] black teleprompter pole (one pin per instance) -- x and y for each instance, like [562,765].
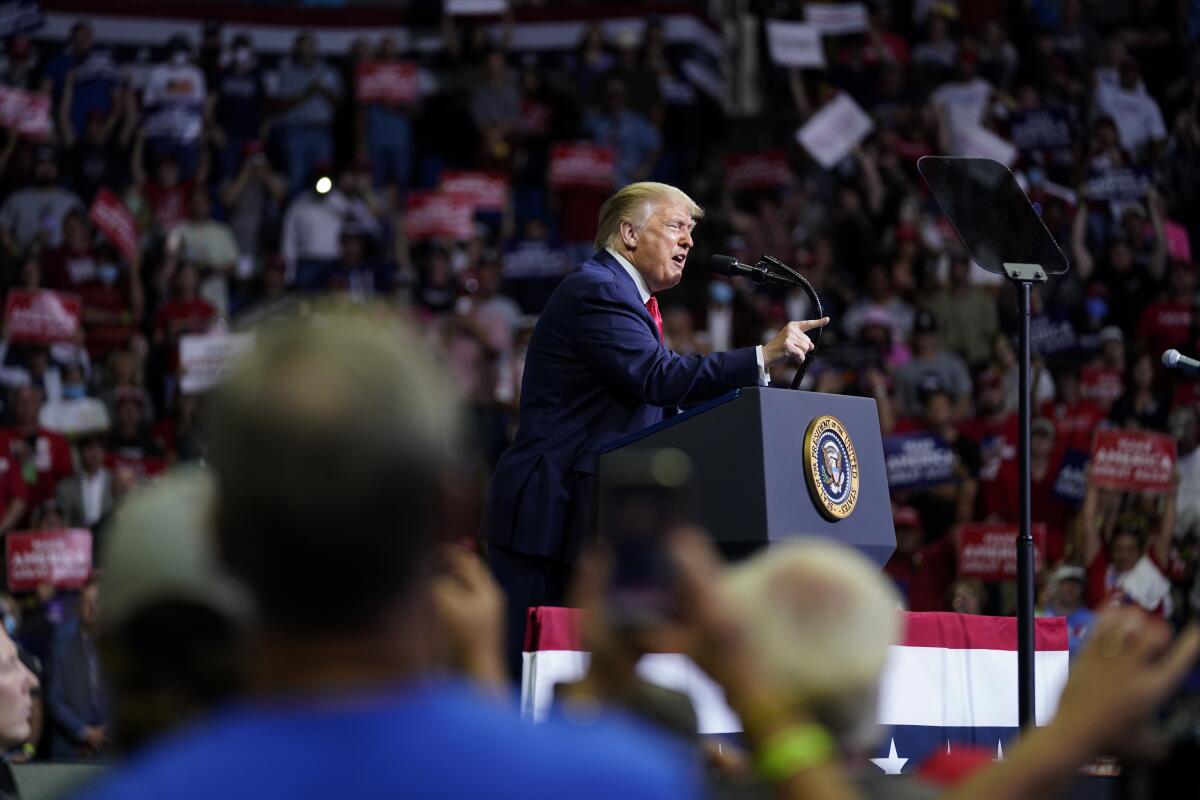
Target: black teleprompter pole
[1025,563]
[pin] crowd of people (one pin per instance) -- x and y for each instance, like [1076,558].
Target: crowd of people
[231,676]
[259,181]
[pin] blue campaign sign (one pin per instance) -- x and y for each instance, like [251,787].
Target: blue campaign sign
[1071,482]
[1041,129]
[918,461]
[1117,184]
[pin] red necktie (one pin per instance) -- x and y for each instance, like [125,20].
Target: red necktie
[652,307]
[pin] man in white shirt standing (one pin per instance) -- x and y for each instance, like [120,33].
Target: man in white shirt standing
[1137,116]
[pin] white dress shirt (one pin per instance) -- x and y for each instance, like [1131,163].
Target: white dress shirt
[92,489]
[764,379]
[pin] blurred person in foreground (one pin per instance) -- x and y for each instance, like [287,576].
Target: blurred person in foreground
[332,450]
[173,622]
[820,620]
[17,684]
[597,370]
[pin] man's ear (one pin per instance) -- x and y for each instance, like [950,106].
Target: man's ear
[629,234]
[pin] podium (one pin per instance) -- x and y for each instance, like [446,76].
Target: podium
[752,459]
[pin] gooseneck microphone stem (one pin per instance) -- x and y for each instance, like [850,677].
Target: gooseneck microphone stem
[771,270]
[802,282]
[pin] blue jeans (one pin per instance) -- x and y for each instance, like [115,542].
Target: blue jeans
[389,147]
[303,149]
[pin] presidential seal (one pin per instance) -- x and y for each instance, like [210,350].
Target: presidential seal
[831,467]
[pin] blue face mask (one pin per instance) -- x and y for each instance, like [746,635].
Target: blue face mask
[107,273]
[73,391]
[720,292]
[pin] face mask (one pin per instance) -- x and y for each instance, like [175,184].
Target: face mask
[720,292]
[10,624]
[107,273]
[72,391]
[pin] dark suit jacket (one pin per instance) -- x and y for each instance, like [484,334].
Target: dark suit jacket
[595,371]
[71,703]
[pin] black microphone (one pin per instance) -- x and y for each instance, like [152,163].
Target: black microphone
[731,267]
[1173,359]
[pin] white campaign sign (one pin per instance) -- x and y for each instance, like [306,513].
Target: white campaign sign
[795,44]
[976,141]
[837,18]
[204,359]
[835,130]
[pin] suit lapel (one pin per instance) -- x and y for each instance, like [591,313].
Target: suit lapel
[628,287]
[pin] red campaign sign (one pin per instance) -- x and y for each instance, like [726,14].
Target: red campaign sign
[42,317]
[114,220]
[27,113]
[387,82]
[488,190]
[1132,461]
[439,215]
[766,170]
[988,550]
[582,165]
[1101,385]
[63,558]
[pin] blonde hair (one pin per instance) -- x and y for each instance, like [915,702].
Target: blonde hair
[820,619]
[632,203]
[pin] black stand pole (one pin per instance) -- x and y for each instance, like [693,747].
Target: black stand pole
[1023,277]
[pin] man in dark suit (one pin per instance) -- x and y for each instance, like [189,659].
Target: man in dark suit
[596,370]
[77,698]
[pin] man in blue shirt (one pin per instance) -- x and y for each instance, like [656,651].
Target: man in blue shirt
[1067,601]
[332,447]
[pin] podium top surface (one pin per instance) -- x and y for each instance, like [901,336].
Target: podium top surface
[617,444]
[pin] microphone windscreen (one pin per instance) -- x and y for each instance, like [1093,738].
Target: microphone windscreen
[722,265]
[1170,358]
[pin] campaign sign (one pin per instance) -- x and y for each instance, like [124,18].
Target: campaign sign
[465,8]
[795,44]
[766,170]
[834,19]
[918,461]
[971,140]
[41,316]
[1118,184]
[582,165]
[113,219]
[395,82]
[62,558]
[205,359]
[439,215]
[835,130]
[1070,484]
[488,190]
[988,550]
[1101,385]
[1040,129]
[18,16]
[26,113]
[1133,460]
